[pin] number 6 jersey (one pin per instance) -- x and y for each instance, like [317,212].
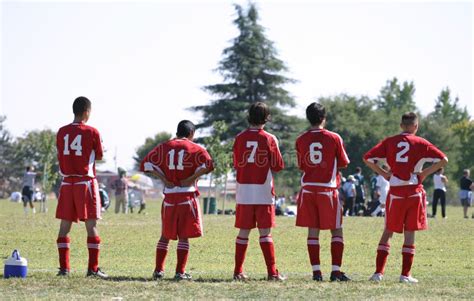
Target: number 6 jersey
[78,146]
[405,154]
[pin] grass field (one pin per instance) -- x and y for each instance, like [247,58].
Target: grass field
[444,261]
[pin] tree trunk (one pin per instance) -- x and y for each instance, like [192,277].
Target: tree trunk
[209,195]
[225,194]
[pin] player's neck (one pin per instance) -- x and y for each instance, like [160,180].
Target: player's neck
[256,127]
[317,127]
[78,120]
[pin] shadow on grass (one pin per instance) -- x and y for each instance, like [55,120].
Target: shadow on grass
[127,278]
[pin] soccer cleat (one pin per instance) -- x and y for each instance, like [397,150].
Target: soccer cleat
[63,272]
[318,277]
[376,277]
[339,276]
[183,276]
[408,279]
[98,274]
[158,275]
[240,277]
[276,277]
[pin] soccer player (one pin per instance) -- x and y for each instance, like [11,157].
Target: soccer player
[27,190]
[178,163]
[405,211]
[320,154]
[256,157]
[78,146]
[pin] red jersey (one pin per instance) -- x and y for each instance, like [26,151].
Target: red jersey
[78,146]
[320,154]
[177,160]
[256,155]
[405,154]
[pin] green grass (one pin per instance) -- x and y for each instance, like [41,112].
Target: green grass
[443,263]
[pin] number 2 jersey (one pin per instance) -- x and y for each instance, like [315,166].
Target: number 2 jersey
[78,145]
[405,154]
[177,160]
[320,154]
[256,155]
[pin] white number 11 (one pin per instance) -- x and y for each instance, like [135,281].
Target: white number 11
[171,165]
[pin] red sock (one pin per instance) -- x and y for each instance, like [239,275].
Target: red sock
[268,250]
[382,254]
[313,251]
[63,250]
[161,252]
[240,250]
[337,249]
[183,252]
[93,245]
[408,254]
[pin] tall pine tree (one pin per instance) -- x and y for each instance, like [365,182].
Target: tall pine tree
[251,72]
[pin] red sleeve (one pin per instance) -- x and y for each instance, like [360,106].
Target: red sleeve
[342,158]
[433,152]
[276,160]
[99,152]
[153,159]
[299,155]
[377,152]
[234,153]
[205,159]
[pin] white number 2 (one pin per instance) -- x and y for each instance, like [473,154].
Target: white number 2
[171,165]
[253,145]
[405,147]
[315,154]
[75,145]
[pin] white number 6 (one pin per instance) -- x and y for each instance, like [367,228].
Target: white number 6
[315,156]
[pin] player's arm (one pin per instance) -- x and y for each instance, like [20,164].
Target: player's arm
[151,169]
[192,179]
[432,168]
[207,165]
[444,179]
[160,176]
[342,157]
[379,170]
[99,151]
[276,160]
[377,153]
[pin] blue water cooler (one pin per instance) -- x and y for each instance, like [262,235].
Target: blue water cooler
[15,266]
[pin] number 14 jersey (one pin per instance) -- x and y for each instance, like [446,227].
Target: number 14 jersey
[78,146]
[405,154]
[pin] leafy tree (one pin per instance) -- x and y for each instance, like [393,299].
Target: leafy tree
[149,144]
[38,148]
[396,97]
[449,109]
[7,168]
[251,72]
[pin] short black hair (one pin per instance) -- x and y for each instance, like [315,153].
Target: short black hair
[80,105]
[28,168]
[409,118]
[185,128]
[259,113]
[315,113]
[358,169]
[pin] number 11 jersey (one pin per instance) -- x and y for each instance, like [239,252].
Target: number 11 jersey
[78,145]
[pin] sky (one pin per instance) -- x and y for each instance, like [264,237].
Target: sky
[143,64]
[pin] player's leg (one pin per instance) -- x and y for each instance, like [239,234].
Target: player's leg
[443,203]
[337,251]
[383,250]
[117,204]
[63,242]
[436,198]
[241,244]
[93,246]
[408,255]
[167,213]
[265,218]
[182,254]
[313,252]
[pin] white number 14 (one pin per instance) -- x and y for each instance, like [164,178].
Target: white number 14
[75,145]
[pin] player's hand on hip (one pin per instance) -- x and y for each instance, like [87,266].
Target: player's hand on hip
[188,182]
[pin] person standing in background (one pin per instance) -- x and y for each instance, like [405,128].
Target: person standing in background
[27,191]
[360,191]
[465,194]
[349,192]
[439,194]
[120,186]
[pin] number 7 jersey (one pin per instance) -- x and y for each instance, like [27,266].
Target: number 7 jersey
[78,146]
[405,154]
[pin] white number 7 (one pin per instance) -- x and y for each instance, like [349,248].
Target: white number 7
[253,145]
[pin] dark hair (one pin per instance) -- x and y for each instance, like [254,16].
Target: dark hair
[185,128]
[315,113]
[259,113]
[28,168]
[358,169]
[80,105]
[409,118]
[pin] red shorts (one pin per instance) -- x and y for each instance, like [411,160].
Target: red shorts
[181,216]
[78,200]
[251,216]
[319,209]
[406,209]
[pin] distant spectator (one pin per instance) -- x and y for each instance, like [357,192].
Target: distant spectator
[439,194]
[360,190]
[136,198]
[104,197]
[373,187]
[382,188]
[120,186]
[27,191]
[40,197]
[349,191]
[466,191]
